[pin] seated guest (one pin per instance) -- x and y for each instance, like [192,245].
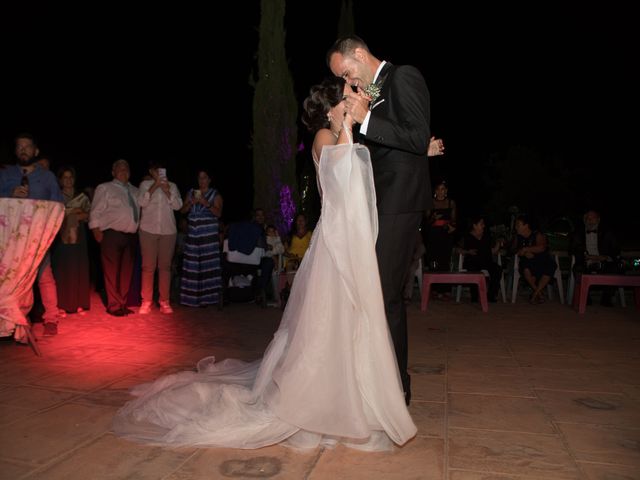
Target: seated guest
[478,255]
[246,245]
[537,265]
[298,243]
[596,251]
[274,243]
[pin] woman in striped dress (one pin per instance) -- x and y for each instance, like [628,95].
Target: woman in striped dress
[201,270]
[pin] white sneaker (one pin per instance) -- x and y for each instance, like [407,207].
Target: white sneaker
[165,307]
[144,308]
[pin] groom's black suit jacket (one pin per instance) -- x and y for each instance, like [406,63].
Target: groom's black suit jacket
[398,138]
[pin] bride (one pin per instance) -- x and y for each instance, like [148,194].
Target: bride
[330,374]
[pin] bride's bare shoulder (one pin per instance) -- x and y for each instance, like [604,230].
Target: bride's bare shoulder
[323,137]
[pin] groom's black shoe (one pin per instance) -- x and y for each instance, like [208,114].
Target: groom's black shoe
[406,386]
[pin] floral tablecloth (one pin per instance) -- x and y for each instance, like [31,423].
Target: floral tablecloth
[27,228]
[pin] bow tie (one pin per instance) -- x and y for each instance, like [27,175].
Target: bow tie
[592,231]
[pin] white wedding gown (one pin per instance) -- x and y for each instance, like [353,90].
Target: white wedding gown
[329,374]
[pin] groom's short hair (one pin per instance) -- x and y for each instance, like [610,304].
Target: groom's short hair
[346,46]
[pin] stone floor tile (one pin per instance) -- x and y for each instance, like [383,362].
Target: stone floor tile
[510,453]
[112,458]
[491,412]
[545,360]
[428,388]
[87,376]
[455,474]
[32,399]
[13,471]
[276,462]
[589,380]
[44,436]
[420,459]
[429,417]
[595,443]
[601,471]
[590,407]
[478,364]
[490,384]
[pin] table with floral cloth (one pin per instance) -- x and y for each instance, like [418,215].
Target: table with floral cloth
[27,229]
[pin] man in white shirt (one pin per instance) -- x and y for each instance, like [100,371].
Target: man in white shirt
[114,222]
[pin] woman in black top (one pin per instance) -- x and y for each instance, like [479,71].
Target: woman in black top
[478,255]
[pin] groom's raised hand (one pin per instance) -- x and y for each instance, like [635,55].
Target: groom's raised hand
[357,106]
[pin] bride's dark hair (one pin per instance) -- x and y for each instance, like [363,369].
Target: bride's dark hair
[321,99]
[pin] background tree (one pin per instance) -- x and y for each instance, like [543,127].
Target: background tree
[274,121]
[346,24]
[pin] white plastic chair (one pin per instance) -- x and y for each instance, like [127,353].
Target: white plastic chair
[486,274]
[557,276]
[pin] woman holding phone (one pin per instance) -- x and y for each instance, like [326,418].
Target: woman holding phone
[158,198]
[201,272]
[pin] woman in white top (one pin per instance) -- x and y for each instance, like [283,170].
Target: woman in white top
[158,198]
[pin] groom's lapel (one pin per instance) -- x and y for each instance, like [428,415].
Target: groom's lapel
[386,70]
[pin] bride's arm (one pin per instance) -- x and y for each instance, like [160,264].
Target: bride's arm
[346,135]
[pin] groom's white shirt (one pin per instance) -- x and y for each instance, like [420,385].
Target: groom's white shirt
[365,122]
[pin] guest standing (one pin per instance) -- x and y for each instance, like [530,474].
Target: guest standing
[114,222]
[201,272]
[70,257]
[27,179]
[441,220]
[158,198]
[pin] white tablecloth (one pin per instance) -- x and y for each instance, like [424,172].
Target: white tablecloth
[27,228]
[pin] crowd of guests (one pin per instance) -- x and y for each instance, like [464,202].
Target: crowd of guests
[594,249]
[129,222]
[120,235]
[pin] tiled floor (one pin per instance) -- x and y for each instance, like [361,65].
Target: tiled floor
[523,392]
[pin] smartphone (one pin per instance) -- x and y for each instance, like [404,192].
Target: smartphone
[162,173]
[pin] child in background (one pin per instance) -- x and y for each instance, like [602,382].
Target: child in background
[274,243]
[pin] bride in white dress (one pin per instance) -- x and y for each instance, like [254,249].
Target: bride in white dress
[330,374]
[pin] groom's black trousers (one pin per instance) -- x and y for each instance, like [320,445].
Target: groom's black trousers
[394,249]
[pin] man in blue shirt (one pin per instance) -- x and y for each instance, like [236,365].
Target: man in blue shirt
[27,179]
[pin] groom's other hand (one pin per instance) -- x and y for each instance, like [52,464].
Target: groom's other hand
[357,106]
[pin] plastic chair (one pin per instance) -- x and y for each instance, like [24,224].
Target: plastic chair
[557,276]
[572,285]
[503,289]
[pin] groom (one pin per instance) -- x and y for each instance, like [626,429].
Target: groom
[394,124]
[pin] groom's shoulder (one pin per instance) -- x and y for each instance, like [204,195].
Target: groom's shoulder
[408,70]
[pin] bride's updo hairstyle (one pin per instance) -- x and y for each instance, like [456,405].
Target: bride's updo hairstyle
[321,99]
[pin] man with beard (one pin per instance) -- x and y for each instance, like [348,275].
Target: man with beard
[27,179]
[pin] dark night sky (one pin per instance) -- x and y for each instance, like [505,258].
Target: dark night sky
[135,84]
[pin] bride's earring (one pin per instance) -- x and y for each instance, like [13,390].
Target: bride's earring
[329,117]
